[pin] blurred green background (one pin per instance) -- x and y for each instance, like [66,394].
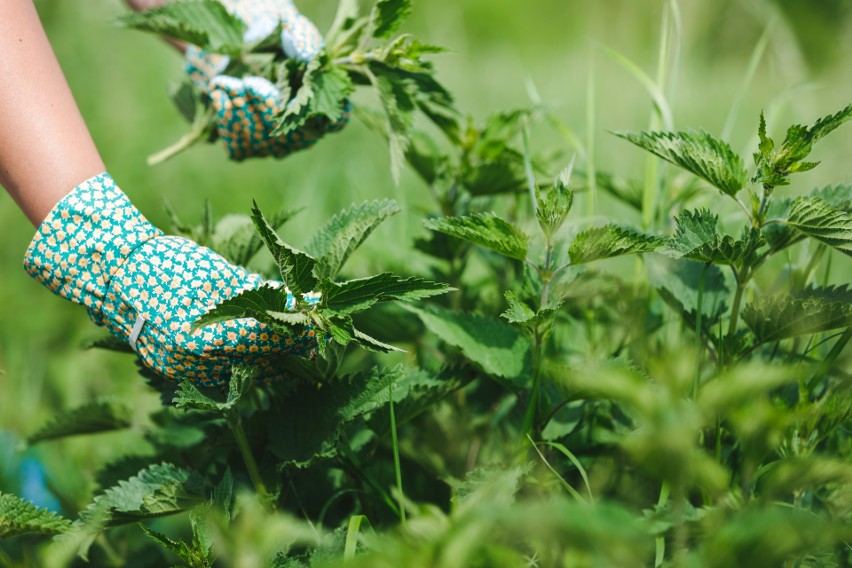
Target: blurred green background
[498,49]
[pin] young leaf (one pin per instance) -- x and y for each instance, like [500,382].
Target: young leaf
[259,303]
[500,349]
[487,230]
[19,517]
[296,266]
[360,294]
[709,158]
[205,23]
[552,209]
[812,310]
[816,218]
[610,241]
[342,234]
[191,556]
[103,415]
[388,15]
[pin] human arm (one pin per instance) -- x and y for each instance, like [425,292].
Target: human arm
[45,147]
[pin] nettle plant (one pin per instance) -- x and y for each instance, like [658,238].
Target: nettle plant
[572,395]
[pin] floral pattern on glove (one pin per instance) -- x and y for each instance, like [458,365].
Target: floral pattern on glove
[96,249]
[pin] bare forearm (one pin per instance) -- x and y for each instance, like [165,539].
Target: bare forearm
[45,147]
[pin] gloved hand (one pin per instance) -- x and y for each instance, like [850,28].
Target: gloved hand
[96,249]
[245,109]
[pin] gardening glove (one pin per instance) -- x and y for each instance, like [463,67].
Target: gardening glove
[245,109]
[96,249]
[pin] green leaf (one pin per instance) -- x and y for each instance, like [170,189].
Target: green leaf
[259,303]
[338,238]
[362,293]
[296,266]
[552,208]
[811,310]
[19,517]
[388,15]
[323,91]
[205,23]
[500,349]
[610,241]
[816,218]
[709,158]
[398,97]
[678,282]
[103,415]
[191,556]
[774,167]
[487,230]
[696,238]
[305,427]
[156,491]
[518,311]
[236,238]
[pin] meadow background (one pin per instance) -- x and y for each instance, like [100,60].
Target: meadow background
[498,48]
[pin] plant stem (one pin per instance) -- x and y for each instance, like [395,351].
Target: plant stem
[698,332]
[396,467]
[735,309]
[236,427]
[832,356]
[198,132]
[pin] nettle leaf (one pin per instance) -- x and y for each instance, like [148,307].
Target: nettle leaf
[305,427]
[484,229]
[156,491]
[678,283]
[700,153]
[205,23]
[519,312]
[812,310]
[553,207]
[338,238]
[189,555]
[103,415]
[696,238]
[259,303]
[398,96]
[236,238]
[19,517]
[361,293]
[296,266]
[497,347]
[388,15]
[610,241]
[782,235]
[323,92]
[816,218]
[775,166]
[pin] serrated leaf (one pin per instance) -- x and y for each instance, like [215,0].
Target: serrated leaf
[327,408]
[700,153]
[188,554]
[484,229]
[398,99]
[678,282]
[775,166]
[205,23]
[158,490]
[696,238]
[610,241]
[290,318]
[360,294]
[103,415]
[190,397]
[518,311]
[497,347]
[388,15]
[19,517]
[812,310]
[553,207]
[373,344]
[816,218]
[296,266]
[256,303]
[338,238]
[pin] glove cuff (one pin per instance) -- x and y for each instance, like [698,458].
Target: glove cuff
[84,240]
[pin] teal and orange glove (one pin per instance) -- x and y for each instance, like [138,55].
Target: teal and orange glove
[245,108]
[96,249]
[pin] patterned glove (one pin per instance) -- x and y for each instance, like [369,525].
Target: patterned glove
[95,248]
[245,109]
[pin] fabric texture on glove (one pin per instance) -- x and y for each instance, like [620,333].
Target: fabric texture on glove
[96,249]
